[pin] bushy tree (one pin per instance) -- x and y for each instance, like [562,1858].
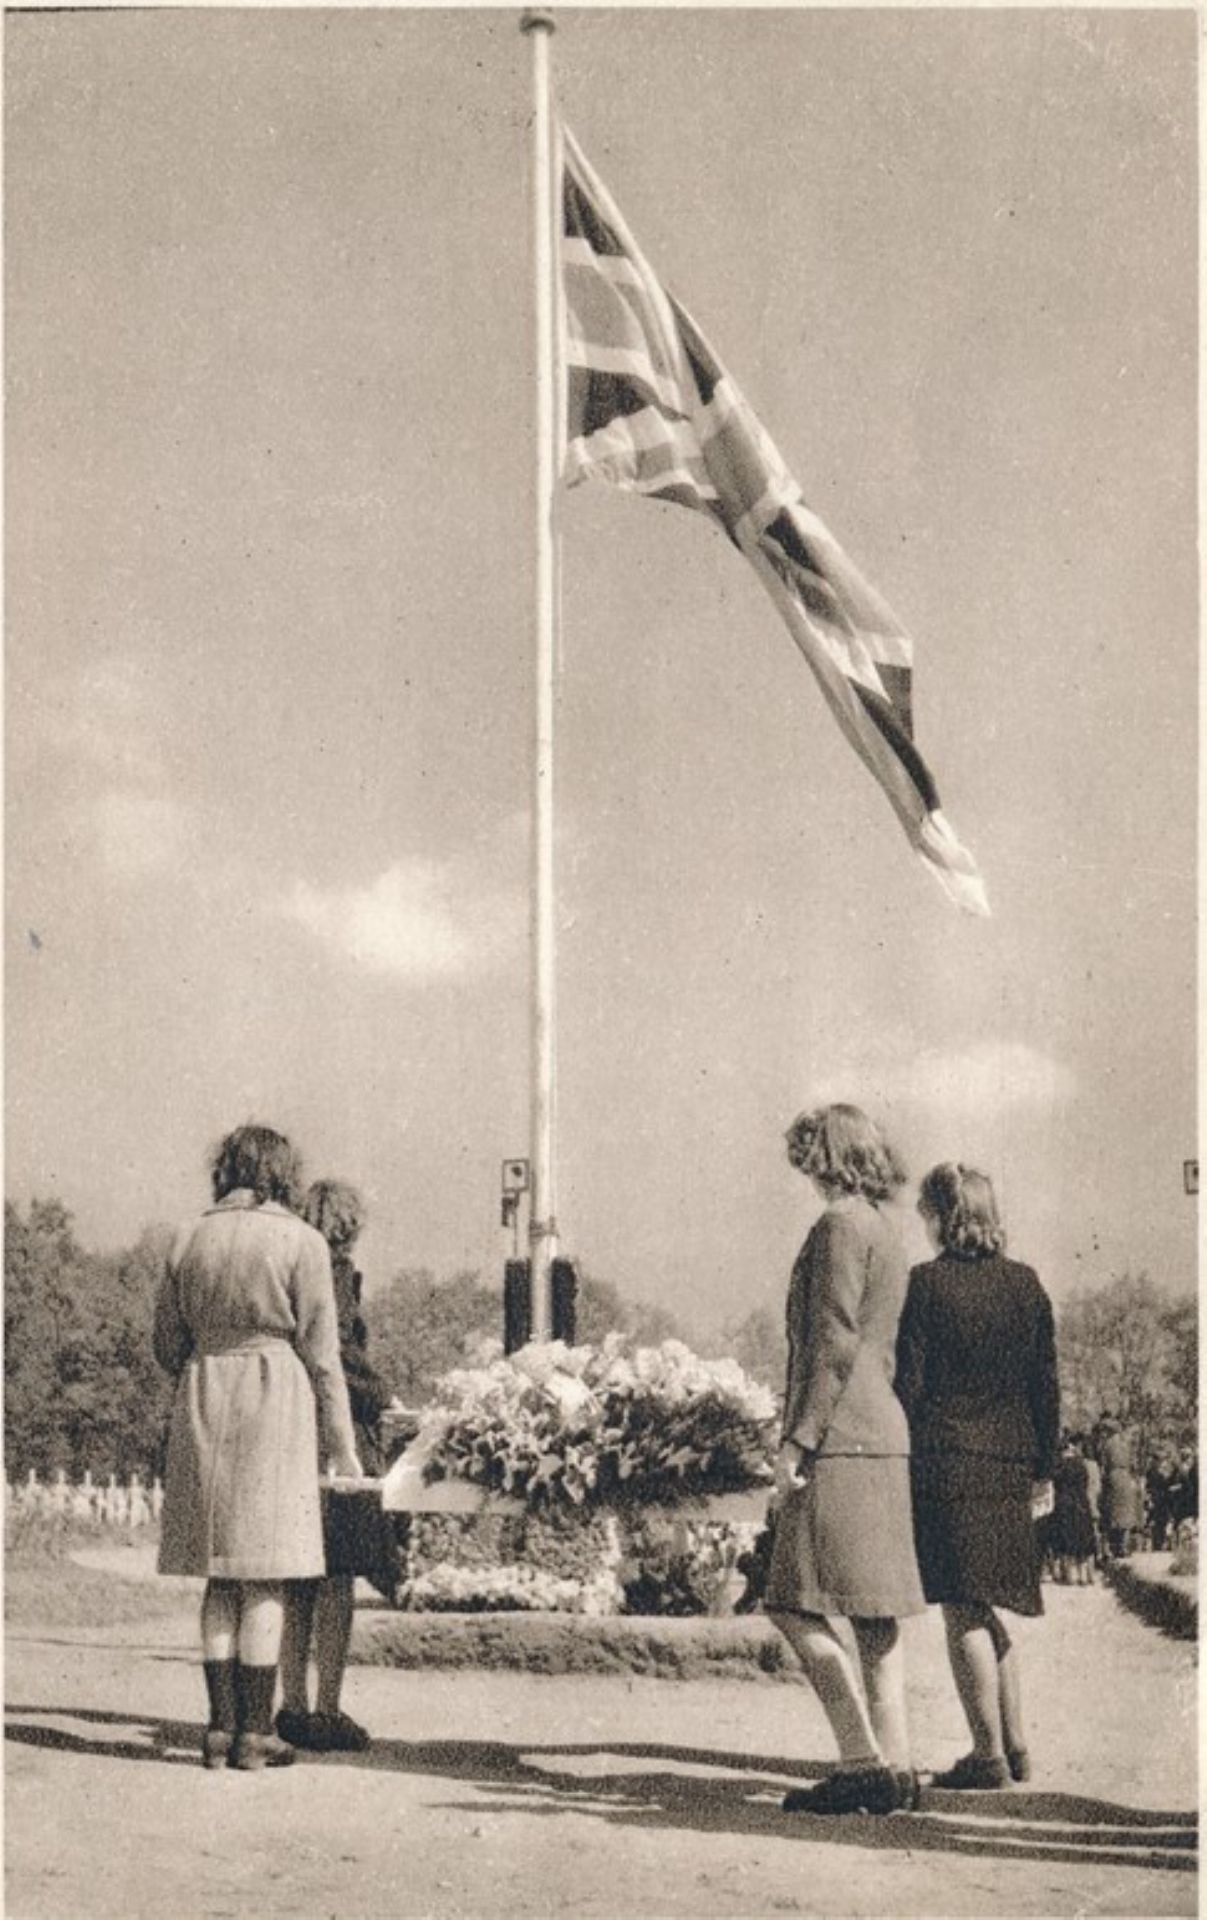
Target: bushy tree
[82,1391]
[1130,1349]
[603,1309]
[420,1327]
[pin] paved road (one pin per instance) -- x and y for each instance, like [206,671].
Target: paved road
[592,1799]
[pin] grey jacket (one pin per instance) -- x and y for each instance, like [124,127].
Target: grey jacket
[848,1288]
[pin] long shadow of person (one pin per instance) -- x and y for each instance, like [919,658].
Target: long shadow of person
[690,1789]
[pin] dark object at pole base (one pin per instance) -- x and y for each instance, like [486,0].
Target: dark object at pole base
[517,1303]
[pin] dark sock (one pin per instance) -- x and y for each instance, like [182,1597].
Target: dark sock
[256,1686]
[220,1686]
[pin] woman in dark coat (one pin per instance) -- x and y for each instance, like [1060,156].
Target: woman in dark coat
[977,1375]
[1071,1535]
[843,1540]
[357,1535]
[245,1322]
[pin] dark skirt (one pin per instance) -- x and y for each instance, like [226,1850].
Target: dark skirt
[978,1544]
[844,1544]
[1071,1528]
[360,1540]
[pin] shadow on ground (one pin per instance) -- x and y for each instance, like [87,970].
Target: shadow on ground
[687,1788]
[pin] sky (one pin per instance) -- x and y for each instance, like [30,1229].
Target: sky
[270,578]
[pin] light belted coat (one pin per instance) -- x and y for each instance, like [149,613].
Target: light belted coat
[844,1303]
[246,1321]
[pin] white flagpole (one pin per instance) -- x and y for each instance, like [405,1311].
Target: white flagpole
[543,1224]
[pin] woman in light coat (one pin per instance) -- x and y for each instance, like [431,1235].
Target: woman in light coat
[843,1536]
[246,1322]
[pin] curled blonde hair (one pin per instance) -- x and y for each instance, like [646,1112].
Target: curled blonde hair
[336,1209]
[961,1202]
[844,1152]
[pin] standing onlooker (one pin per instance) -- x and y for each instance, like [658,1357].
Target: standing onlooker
[245,1320]
[1093,1488]
[1159,1483]
[1121,1510]
[977,1374]
[1071,1533]
[359,1538]
[843,1542]
[1184,1488]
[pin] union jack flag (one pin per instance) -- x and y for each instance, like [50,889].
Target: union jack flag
[649,407]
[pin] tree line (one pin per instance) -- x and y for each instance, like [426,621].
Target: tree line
[83,1392]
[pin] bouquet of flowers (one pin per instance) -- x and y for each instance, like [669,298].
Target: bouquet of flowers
[601,1426]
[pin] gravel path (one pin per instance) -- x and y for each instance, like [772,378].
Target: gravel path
[499,1794]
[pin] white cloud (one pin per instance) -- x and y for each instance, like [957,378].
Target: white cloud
[1006,1075]
[138,834]
[994,1076]
[415,920]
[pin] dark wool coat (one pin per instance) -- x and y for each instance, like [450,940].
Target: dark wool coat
[976,1363]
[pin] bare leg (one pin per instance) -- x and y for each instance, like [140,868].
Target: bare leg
[300,1596]
[882,1657]
[219,1620]
[1014,1733]
[832,1674]
[973,1653]
[260,1621]
[333,1630]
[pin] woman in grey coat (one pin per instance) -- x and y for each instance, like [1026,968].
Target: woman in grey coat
[843,1534]
[246,1323]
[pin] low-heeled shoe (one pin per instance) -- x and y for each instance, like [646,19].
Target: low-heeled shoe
[254,1751]
[862,1790]
[976,1773]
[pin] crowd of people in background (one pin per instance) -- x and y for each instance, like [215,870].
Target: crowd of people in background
[1112,1499]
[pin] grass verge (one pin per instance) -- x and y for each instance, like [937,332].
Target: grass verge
[44,1587]
[71,1596]
[1164,1600]
[664,1649]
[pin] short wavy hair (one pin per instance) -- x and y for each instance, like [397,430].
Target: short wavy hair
[337,1210]
[844,1152]
[961,1202]
[259,1160]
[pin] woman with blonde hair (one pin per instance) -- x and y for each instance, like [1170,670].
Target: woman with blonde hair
[843,1540]
[977,1375]
[245,1322]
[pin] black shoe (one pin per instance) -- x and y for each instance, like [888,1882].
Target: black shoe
[294,1727]
[336,1733]
[1019,1762]
[866,1790]
[908,1789]
[976,1773]
[254,1751]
